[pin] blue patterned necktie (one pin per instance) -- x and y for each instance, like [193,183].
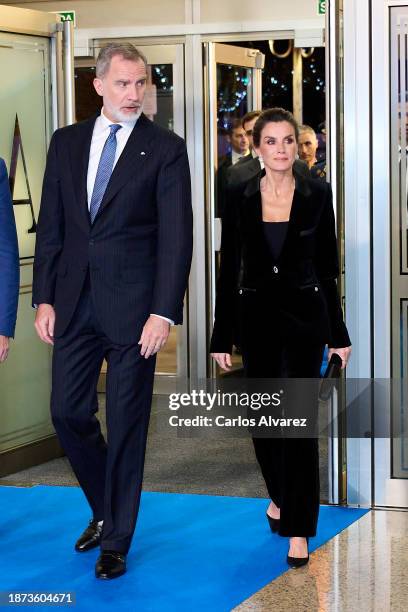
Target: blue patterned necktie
[104,171]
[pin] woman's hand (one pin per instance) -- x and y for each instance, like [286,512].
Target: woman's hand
[344,353]
[223,360]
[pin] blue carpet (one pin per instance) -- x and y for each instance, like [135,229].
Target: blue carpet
[190,552]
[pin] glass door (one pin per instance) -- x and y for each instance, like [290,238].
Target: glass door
[233,87]
[31,79]
[164,104]
[391,452]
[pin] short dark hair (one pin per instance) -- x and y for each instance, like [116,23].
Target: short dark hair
[107,52]
[236,123]
[273,115]
[249,116]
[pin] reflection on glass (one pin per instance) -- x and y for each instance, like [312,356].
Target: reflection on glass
[160,82]
[25,110]
[233,86]
[234,89]
[399,239]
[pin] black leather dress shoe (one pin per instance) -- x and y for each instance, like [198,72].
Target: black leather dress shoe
[90,538]
[111,564]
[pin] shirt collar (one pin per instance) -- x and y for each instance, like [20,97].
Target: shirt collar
[127,125]
[237,156]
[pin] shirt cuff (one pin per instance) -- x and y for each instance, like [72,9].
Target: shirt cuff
[164,318]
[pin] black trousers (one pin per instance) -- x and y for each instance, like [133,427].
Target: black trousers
[290,466]
[110,474]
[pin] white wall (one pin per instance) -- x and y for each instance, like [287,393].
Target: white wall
[257,10]
[125,13]
[107,13]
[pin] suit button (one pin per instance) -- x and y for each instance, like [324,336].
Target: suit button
[240,292]
[91,242]
[275,269]
[316,288]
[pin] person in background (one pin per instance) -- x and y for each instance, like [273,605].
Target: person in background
[307,147]
[239,150]
[247,167]
[279,254]
[248,122]
[9,266]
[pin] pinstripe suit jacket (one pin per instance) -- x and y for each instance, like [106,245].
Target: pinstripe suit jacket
[137,251]
[9,266]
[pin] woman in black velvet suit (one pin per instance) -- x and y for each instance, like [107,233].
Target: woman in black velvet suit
[279,252]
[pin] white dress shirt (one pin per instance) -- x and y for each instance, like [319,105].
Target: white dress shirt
[100,133]
[235,157]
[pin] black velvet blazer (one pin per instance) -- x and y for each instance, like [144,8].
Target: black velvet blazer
[297,292]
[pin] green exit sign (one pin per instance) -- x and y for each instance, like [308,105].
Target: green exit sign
[67,16]
[321,7]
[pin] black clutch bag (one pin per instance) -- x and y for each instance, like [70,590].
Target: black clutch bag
[332,373]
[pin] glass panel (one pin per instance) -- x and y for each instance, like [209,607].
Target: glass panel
[277,75]
[158,100]
[87,101]
[159,107]
[314,91]
[399,233]
[25,128]
[234,95]
[233,87]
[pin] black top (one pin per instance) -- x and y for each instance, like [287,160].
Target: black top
[300,287]
[275,234]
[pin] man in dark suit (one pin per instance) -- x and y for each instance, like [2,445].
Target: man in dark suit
[113,255]
[239,150]
[9,266]
[308,145]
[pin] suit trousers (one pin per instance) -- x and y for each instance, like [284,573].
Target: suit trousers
[289,465]
[110,474]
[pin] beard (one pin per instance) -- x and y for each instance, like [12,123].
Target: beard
[121,117]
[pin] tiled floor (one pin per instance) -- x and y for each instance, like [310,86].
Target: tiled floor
[363,569]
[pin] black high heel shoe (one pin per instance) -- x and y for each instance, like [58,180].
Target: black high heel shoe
[296,562]
[273,523]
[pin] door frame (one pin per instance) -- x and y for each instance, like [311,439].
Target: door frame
[47,25]
[195,109]
[38,443]
[244,57]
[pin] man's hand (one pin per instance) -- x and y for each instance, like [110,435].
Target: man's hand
[223,360]
[344,353]
[4,348]
[45,322]
[154,336]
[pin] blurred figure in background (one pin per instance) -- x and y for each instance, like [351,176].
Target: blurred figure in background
[307,148]
[239,150]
